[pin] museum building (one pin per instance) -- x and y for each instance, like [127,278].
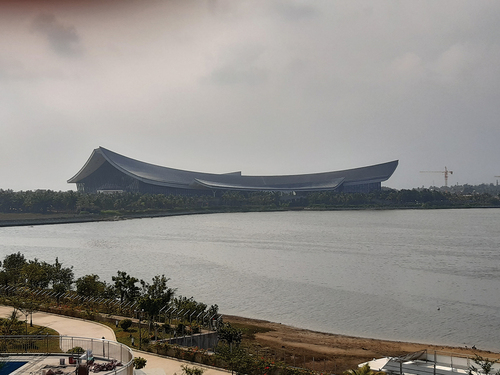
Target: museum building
[106,172]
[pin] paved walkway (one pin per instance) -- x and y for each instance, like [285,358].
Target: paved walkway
[67,326]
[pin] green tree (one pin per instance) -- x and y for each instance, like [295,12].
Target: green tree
[90,286]
[26,303]
[190,307]
[12,325]
[12,267]
[125,286]
[62,278]
[125,324]
[229,334]
[239,361]
[39,201]
[35,274]
[155,296]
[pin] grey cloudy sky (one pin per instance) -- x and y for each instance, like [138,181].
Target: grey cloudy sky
[261,86]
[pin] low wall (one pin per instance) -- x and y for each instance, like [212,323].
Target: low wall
[206,341]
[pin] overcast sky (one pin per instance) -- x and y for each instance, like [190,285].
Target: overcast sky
[261,86]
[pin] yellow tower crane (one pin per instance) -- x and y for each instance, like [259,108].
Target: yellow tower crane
[446,172]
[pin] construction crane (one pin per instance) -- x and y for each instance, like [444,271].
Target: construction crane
[446,172]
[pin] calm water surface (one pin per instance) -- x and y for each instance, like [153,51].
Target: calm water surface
[381,274]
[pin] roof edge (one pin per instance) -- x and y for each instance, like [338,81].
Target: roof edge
[85,166]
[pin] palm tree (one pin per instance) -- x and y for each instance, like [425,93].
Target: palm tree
[11,325]
[365,370]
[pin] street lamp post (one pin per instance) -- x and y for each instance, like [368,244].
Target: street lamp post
[140,330]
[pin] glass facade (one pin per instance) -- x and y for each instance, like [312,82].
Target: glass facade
[360,188]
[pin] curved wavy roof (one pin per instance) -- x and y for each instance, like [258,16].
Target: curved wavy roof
[178,178]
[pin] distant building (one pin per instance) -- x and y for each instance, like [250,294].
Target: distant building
[108,172]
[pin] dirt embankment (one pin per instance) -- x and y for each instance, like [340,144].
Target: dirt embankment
[327,352]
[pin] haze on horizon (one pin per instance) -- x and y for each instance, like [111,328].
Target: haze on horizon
[263,86]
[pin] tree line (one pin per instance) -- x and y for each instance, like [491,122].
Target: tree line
[414,198]
[34,278]
[25,285]
[71,202]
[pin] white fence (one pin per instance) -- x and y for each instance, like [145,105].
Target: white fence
[68,346]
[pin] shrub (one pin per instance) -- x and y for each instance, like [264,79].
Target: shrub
[181,329]
[167,328]
[161,347]
[110,212]
[76,350]
[186,370]
[139,362]
[126,324]
[89,315]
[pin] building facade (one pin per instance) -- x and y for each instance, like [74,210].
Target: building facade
[106,171]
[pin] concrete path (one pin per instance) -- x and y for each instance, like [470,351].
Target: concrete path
[67,326]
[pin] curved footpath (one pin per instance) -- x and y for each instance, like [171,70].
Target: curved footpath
[67,326]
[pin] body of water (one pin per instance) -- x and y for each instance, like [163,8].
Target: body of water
[429,276]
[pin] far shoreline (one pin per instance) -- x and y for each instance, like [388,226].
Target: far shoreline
[30,219]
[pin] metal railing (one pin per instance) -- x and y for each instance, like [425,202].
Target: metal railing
[68,346]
